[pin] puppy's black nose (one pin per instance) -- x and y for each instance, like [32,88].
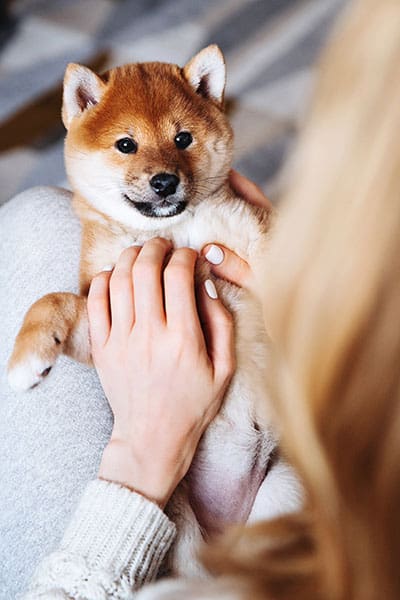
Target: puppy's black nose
[164,184]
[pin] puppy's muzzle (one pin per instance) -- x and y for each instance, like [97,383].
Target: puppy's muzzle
[166,199]
[164,184]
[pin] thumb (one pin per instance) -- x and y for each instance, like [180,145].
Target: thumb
[228,265]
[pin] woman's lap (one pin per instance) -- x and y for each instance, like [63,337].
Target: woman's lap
[51,437]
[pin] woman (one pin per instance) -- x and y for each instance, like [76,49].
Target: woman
[332,301]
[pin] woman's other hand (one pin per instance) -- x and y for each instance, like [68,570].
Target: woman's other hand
[164,373]
[225,263]
[248,190]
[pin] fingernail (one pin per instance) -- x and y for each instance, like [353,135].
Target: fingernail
[214,255]
[108,268]
[132,246]
[211,289]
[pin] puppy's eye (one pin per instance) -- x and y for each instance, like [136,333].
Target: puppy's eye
[183,140]
[126,145]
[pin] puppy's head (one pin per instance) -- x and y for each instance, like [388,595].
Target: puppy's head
[147,141]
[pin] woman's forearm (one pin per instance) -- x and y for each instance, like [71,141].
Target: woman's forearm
[116,542]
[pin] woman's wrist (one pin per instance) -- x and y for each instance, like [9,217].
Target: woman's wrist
[120,464]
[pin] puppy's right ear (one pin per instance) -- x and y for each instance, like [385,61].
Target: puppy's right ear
[83,89]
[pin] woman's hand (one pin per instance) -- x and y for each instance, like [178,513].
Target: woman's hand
[225,263]
[163,377]
[248,190]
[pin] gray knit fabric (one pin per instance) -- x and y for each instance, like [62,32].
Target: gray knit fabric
[51,438]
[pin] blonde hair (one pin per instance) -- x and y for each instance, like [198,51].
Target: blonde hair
[332,304]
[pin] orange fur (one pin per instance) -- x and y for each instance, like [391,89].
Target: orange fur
[127,106]
[152,102]
[112,190]
[56,324]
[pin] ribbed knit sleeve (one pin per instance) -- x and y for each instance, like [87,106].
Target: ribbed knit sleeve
[115,542]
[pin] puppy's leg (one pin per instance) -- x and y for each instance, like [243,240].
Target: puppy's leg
[56,324]
[280,493]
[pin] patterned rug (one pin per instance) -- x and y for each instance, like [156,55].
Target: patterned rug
[270,46]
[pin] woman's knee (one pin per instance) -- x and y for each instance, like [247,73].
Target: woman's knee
[40,238]
[40,209]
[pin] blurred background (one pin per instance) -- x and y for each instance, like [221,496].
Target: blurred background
[271,48]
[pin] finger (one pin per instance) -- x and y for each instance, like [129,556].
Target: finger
[147,281]
[217,324]
[248,190]
[179,289]
[228,265]
[121,292]
[98,306]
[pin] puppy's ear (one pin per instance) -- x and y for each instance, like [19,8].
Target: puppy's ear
[83,89]
[206,73]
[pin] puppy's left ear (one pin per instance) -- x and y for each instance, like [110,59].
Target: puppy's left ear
[206,73]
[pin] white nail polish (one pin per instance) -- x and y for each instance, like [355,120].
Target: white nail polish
[215,255]
[108,268]
[211,289]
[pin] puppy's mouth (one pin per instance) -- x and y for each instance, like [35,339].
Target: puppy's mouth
[162,209]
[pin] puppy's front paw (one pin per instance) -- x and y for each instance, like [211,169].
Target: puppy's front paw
[31,363]
[55,324]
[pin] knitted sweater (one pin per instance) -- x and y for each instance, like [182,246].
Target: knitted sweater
[115,543]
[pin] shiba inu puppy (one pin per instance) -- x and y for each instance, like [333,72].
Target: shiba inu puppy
[148,152]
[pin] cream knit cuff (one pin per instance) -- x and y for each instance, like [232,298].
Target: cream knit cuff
[119,531]
[115,542]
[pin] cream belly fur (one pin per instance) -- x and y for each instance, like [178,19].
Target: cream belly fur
[237,474]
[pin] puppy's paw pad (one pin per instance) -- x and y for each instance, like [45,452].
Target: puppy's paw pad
[28,373]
